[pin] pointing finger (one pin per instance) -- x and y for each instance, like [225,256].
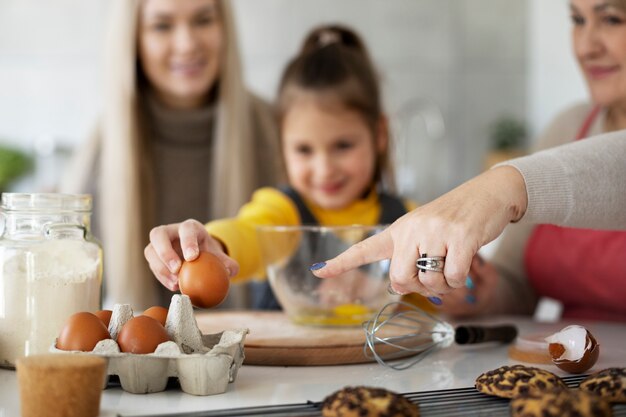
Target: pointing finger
[374,248]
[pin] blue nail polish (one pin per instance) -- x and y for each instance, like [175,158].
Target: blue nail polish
[317,266]
[470,299]
[469,283]
[435,300]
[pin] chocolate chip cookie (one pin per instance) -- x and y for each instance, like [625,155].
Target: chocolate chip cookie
[560,403]
[609,384]
[367,401]
[510,381]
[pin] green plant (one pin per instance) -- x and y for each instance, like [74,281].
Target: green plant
[507,133]
[13,164]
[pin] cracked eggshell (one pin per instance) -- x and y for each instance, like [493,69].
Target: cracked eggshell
[203,364]
[573,349]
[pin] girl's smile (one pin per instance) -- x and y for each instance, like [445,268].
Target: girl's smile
[331,188]
[330,152]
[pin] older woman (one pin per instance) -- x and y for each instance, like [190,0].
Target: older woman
[583,268]
[178,126]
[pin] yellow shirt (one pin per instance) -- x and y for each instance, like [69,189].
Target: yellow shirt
[269,206]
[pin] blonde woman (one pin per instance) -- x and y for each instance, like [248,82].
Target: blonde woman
[178,126]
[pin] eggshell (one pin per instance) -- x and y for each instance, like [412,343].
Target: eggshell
[105,316]
[82,331]
[158,313]
[141,334]
[558,351]
[204,280]
[578,367]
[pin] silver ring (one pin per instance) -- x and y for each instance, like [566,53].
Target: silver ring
[430,263]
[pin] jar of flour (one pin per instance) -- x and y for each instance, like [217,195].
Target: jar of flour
[50,267]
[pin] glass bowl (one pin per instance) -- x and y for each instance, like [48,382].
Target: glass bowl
[347,300]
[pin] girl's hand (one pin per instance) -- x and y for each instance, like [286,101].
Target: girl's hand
[477,295]
[455,225]
[171,244]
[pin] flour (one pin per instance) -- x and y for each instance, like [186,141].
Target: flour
[41,284]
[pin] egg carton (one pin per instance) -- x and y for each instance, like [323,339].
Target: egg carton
[203,364]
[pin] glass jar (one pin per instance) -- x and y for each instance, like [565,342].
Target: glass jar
[50,268]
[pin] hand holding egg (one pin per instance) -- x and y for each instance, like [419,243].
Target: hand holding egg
[204,280]
[172,244]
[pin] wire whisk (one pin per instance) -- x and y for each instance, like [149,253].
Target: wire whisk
[401,335]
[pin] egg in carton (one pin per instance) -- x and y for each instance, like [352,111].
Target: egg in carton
[203,364]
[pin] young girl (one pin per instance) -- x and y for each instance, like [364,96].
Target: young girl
[335,146]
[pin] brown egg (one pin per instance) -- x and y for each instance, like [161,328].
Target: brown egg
[141,334]
[204,280]
[105,316]
[82,331]
[573,349]
[158,313]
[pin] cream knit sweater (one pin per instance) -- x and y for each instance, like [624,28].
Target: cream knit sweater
[581,184]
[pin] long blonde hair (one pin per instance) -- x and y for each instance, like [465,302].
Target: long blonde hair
[125,185]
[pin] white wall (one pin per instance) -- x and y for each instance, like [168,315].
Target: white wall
[554,81]
[466,58]
[49,56]
[458,57]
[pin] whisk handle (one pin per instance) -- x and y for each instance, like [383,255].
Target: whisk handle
[465,335]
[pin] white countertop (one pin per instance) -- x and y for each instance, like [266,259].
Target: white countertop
[454,367]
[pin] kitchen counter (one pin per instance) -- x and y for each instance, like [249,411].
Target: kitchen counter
[454,367]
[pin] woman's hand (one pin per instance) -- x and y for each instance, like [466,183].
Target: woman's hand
[477,295]
[171,244]
[455,225]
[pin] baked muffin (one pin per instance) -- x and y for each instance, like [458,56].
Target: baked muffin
[511,381]
[609,384]
[367,401]
[560,403]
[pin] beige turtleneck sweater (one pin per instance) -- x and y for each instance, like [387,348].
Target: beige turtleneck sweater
[182,152]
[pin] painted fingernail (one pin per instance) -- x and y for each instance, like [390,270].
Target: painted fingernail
[469,283]
[470,299]
[317,266]
[435,300]
[174,265]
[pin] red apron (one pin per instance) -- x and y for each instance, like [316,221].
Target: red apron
[585,269]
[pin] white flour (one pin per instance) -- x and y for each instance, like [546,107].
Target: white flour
[41,285]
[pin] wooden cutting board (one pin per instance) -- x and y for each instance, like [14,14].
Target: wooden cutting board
[275,340]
